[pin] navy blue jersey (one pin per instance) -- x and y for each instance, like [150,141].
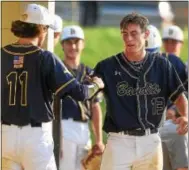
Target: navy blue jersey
[29,77]
[180,67]
[72,108]
[136,98]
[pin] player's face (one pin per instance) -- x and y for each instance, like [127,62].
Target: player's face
[172,46]
[134,38]
[73,47]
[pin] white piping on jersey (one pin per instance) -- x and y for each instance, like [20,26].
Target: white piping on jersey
[14,53]
[138,107]
[163,118]
[22,45]
[129,63]
[145,97]
[185,82]
[125,68]
[181,85]
[64,85]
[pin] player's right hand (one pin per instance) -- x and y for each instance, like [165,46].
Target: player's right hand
[182,127]
[98,81]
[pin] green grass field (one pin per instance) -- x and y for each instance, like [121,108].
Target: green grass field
[103,42]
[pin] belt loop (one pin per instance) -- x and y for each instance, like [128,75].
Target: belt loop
[147,131]
[121,133]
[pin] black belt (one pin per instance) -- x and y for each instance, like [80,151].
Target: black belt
[139,132]
[33,124]
[75,119]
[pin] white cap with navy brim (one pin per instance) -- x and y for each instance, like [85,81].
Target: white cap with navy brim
[72,31]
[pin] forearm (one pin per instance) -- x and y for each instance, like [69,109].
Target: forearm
[83,92]
[182,105]
[97,122]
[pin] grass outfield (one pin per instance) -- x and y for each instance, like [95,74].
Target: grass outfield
[103,42]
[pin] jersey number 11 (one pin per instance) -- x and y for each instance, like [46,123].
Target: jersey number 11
[13,78]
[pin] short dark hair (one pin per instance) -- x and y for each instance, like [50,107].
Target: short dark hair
[26,30]
[134,18]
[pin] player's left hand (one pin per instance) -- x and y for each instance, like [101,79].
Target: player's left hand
[98,148]
[182,122]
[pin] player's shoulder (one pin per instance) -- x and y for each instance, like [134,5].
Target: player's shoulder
[172,57]
[156,55]
[7,47]
[48,55]
[19,49]
[158,58]
[175,58]
[110,60]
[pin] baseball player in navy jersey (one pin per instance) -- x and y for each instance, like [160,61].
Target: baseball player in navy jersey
[153,44]
[76,114]
[29,77]
[175,146]
[173,39]
[138,85]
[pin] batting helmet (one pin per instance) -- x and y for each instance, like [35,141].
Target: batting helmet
[153,42]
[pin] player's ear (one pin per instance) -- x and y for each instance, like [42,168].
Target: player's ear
[44,29]
[147,33]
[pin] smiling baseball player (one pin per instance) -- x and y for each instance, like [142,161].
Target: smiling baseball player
[138,85]
[76,115]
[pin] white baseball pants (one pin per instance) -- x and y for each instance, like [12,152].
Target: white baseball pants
[27,148]
[124,152]
[76,143]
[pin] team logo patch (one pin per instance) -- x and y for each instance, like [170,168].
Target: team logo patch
[170,32]
[24,17]
[18,61]
[117,73]
[72,31]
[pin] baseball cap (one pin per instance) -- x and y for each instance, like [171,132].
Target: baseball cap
[173,32]
[58,23]
[73,31]
[154,38]
[37,14]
